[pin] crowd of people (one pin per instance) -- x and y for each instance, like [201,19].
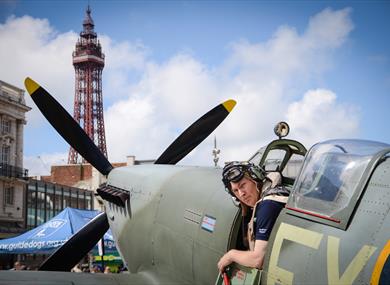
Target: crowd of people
[19,266]
[86,268]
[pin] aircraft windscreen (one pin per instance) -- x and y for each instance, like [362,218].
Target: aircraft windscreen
[293,166]
[331,173]
[255,159]
[274,159]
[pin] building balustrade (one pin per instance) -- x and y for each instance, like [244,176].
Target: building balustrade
[7,170]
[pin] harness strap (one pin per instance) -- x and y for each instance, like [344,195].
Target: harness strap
[251,233]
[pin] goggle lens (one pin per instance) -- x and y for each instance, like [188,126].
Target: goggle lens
[234,175]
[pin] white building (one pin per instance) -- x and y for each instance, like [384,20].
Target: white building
[13,178]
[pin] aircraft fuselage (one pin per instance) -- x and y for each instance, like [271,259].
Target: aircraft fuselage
[177,222]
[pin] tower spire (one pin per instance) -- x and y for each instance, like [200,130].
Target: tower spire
[88,62]
[88,23]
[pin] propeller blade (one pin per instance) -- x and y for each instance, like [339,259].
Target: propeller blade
[71,252]
[196,133]
[67,127]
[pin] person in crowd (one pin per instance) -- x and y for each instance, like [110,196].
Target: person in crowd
[18,266]
[76,268]
[107,270]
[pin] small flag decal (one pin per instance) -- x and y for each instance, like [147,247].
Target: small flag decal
[208,223]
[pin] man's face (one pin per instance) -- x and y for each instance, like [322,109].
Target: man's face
[246,191]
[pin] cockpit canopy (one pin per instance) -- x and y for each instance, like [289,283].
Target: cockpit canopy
[332,175]
[284,156]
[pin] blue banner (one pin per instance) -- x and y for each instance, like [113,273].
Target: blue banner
[46,238]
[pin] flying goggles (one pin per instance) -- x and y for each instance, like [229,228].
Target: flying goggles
[235,171]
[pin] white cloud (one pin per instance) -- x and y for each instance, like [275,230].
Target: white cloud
[318,116]
[289,55]
[150,103]
[32,48]
[40,165]
[167,99]
[264,77]
[132,129]
[257,75]
[121,60]
[329,28]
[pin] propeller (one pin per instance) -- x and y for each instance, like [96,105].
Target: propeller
[67,127]
[84,240]
[196,133]
[78,245]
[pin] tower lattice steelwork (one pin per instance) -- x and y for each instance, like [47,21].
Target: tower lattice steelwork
[88,62]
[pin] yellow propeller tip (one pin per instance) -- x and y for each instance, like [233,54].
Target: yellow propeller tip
[31,85]
[229,105]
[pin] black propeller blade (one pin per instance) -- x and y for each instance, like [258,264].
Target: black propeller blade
[196,133]
[67,127]
[71,252]
[83,241]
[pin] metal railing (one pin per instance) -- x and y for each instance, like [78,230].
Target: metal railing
[12,171]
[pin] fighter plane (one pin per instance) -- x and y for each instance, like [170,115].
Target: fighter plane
[172,223]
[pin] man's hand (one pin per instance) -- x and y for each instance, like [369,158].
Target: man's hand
[224,261]
[248,258]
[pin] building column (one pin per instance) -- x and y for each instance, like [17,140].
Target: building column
[19,143]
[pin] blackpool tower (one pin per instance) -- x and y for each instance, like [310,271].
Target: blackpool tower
[88,62]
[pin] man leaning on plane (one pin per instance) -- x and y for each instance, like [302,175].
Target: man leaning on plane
[261,198]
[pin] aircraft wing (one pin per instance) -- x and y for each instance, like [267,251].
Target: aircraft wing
[14,277]
[61,278]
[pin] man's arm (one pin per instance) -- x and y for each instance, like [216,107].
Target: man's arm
[253,258]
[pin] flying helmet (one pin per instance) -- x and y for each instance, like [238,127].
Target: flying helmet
[234,171]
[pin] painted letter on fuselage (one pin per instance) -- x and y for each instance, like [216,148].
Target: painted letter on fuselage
[353,269]
[295,234]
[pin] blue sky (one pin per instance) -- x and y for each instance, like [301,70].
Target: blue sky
[321,65]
